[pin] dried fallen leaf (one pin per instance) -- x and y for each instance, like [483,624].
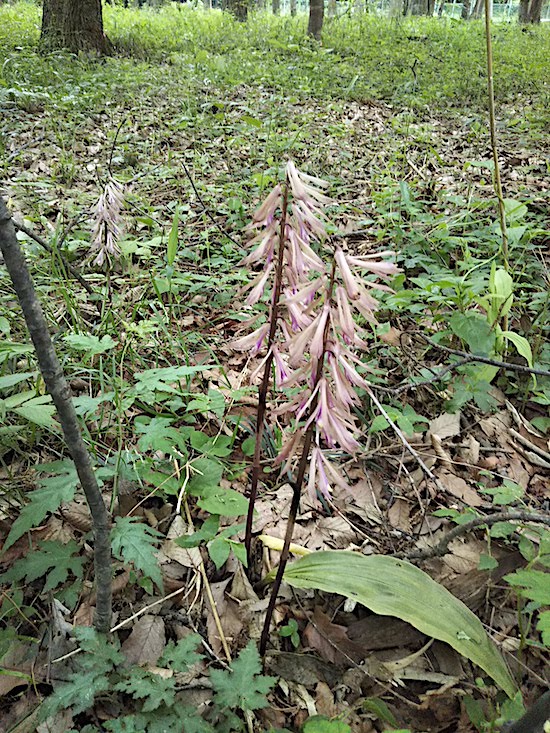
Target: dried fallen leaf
[146,642]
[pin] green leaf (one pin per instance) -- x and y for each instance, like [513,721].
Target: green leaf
[153,689]
[164,378]
[182,655]
[392,587]
[532,584]
[206,533]
[474,330]
[219,550]
[92,345]
[78,693]
[38,410]
[172,246]
[515,210]
[10,380]
[206,476]
[543,625]
[523,347]
[225,502]
[51,556]
[486,562]
[320,724]
[56,490]
[242,687]
[135,542]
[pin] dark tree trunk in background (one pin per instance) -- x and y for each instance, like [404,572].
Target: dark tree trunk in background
[76,25]
[478,9]
[466,7]
[293,8]
[530,11]
[239,8]
[421,7]
[276,7]
[316,15]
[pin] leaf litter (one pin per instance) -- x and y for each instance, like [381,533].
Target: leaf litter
[390,507]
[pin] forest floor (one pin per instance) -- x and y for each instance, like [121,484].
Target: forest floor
[196,116]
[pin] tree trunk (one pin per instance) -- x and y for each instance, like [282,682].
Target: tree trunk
[293,8]
[420,7]
[530,11]
[316,14]
[276,7]
[535,11]
[76,25]
[478,9]
[239,8]
[466,8]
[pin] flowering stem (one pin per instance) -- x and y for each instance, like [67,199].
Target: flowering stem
[262,392]
[297,484]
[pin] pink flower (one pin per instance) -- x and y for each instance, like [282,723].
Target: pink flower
[258,285]
[253,341]
[264,214]
[107,219]
[350,281]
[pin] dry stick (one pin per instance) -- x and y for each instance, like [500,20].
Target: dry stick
[485,360]
[297,484]
[264,386]
[60,392]
[493,131]
[442,546]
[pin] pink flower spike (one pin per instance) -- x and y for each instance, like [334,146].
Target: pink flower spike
[269,206]
[253,341]
[350,281]
[346,394]
[258,285]
[345,318]
[312,474]
[289,448]
[334,474]
[318,341]
[282,371]
[383,268]
[351,374]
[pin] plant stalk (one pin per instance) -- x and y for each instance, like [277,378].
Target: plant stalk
[57,386]
[264,386]
[297,485]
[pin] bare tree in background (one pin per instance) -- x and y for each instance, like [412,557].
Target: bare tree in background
[76,25]
[316,15]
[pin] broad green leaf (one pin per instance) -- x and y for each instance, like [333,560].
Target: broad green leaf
[172,247]
[92,345]
[225,502]
[56,490]
[523,347]
[219,550]
[474,329]
[320,724]
[515,210]
[10,380]
[392,587]
[206,474]
[9,349]
[135,542]
[38,410]
[501,291]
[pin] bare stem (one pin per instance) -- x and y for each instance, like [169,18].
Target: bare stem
[60,392]
[264,386]
[493,131]
[297,485]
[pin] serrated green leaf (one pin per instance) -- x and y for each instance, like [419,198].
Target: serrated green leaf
[135,542]
[38,410]
[243,687]
[153,689]
[163,379]
[78,693]
[392,587]
[91,344]
[182,655]
[56,490]
[206,475]
[543,625]
[51,558]
[532,584]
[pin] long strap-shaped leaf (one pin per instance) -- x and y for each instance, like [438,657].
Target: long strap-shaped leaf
[392,587]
